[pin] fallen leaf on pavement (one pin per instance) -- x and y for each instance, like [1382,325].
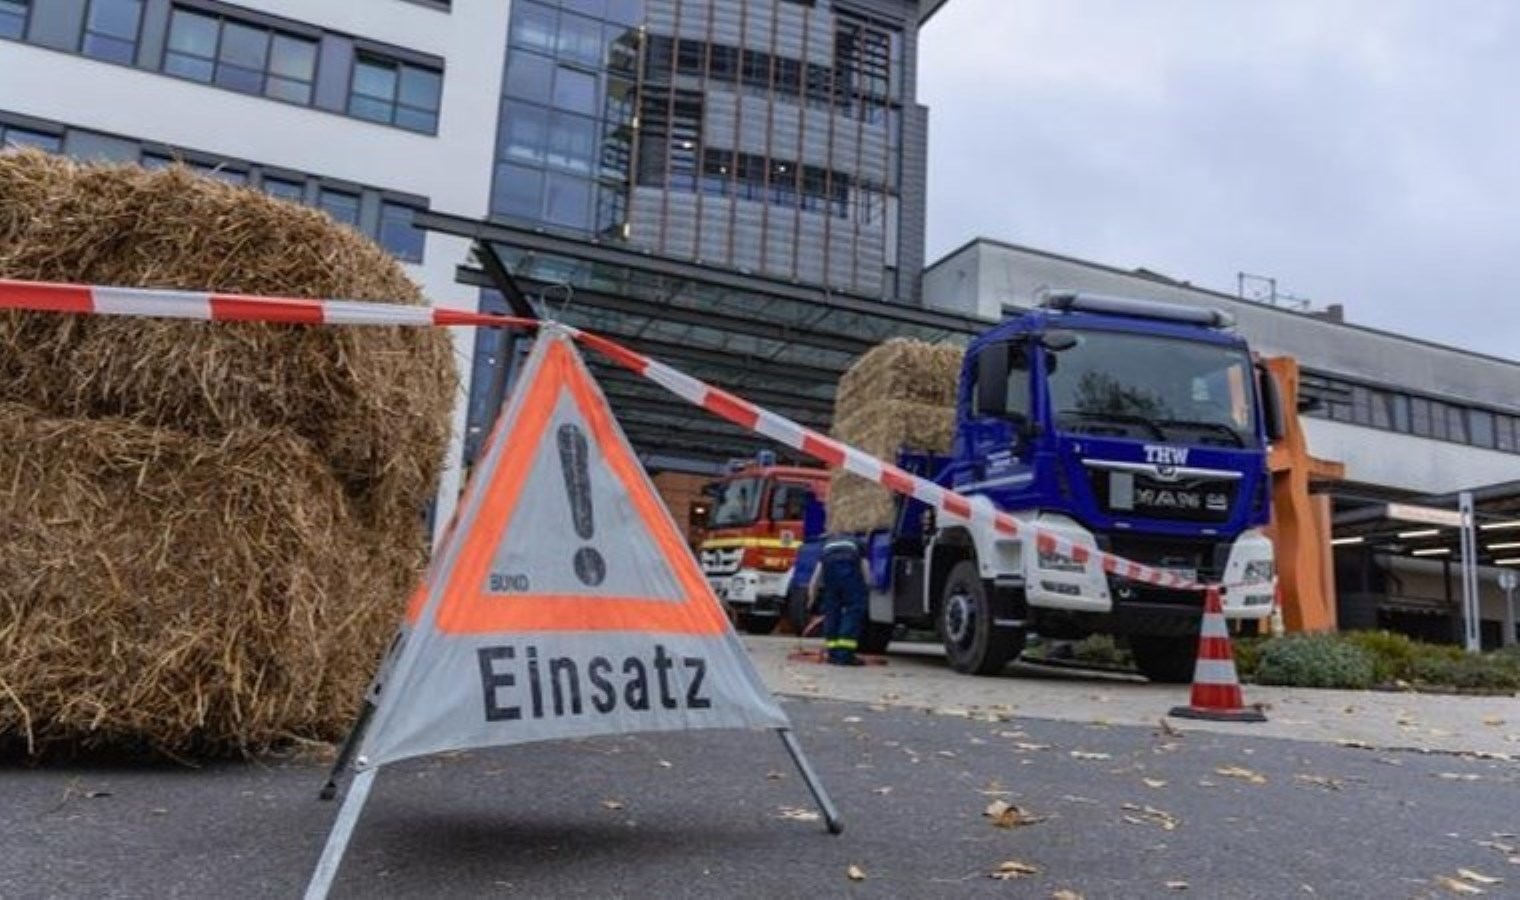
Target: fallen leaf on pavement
[850,720]
[882,790]
[1013,869]
[1177,885]
[797,815]
[1005,815]
[1458,887]
[1082,754]
[1332,784]
[947,754]
[1458,776]
[1359,745]
[775,776]
[1025,745]
[1470,875]
[1168,729]
[856,873]
[1242,774]
[1154,782]
[1066,895]
[613,804]
[664,763]
[1150,815]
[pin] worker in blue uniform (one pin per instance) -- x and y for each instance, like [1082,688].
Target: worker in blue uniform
[841,584]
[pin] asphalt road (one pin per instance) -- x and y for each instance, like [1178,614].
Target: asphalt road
[723,813]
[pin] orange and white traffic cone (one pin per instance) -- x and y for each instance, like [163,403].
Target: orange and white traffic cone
[1216,688]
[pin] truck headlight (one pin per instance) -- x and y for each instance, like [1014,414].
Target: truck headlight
[1260,570]
[1059,562]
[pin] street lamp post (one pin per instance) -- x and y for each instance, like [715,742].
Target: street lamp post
[1507,583]
[1469,540]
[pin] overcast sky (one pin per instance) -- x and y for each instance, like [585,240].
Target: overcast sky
[1365,152]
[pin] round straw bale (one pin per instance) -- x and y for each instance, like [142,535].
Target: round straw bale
[180,595]
[374,402]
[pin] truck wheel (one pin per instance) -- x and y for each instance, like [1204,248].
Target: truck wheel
[876,636]
[1166,660]
[972,644]
[750,623]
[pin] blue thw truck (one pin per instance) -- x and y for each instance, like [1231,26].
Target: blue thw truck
[1130,426]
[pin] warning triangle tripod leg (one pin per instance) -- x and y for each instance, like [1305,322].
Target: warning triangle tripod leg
[350,746]
[337,840]
[820,796]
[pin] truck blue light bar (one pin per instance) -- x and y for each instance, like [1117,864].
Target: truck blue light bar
[1074,301]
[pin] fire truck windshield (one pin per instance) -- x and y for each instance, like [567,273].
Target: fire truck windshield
[737,503]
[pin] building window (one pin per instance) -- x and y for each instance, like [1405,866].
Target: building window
[530,77]
[519,191]
[1480,425]
[534,25]
[14,138]
[12,18]
[239,56]
[398,233]
[1507,433]
[294,191]
[341,205]
[395,93]
[568,201]
[110,30]
[575,90]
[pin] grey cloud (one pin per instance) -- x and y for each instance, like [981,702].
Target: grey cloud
[1361,152]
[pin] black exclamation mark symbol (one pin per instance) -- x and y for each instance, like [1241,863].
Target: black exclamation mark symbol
[590,568]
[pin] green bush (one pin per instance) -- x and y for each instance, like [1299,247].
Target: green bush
[1488,672]
[1315,660]
[1247,656]
[1100,650]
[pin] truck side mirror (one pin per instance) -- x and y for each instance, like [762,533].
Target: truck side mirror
[1059,341]
[992,380]
[1272,405]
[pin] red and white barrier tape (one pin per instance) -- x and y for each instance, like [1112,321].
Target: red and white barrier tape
[207,307]
[212,307]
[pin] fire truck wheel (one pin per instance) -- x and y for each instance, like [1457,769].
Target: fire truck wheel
[750,623]
[972,644]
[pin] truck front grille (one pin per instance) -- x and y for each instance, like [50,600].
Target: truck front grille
[724,561]
[1138,494]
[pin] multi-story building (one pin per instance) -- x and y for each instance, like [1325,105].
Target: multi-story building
[771,137]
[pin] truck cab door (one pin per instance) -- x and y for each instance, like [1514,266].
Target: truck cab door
[998,429]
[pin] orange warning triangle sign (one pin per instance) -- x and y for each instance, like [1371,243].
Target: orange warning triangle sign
[563,602]
[567,471]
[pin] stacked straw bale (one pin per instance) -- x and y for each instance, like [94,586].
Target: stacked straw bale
[898,395]
[206,530]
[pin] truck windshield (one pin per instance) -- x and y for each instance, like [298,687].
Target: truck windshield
[737,503]
[1153,388]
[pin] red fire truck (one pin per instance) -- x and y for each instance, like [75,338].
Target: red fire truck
[754,530]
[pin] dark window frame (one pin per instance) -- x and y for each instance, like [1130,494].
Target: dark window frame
[85,34]
[25,17]
[400,67]
[217,62]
